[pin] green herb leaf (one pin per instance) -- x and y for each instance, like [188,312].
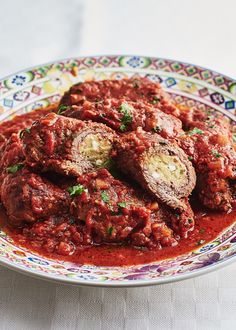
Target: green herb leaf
[127,118]
[190,220]
[14,168]
[216,153]
[76,190]
[155,100]
[27,130]
[190,157]
[157,129]
[200,242]
[110,230]
[62,108]
[202,230]
[195,130]
[122,204]
[104,196]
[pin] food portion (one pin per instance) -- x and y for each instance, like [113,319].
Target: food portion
[160,166]
[66,145]
[114,212]
[116,167]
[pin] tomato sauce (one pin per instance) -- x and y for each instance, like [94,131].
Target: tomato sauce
[208,225]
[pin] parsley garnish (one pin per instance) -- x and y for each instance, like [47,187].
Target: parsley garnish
[190,157]
[157,129]
[155,100]
[202,230]
[127,118]
[27,130]
[200,242]
[110,230]
[76,190]
[190,220]
[122,204]
[195,130]
[104,196]
[62,108]
[14,168]
[216,153]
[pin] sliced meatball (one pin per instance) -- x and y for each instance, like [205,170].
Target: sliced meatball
[160,167]
[114,212]
[27,197]
[67,146]
[123,115]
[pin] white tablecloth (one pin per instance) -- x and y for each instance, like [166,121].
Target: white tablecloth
[201,32]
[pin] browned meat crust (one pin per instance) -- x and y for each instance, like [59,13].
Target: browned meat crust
[161,167]
[25,195]
[115,212]
[68,146]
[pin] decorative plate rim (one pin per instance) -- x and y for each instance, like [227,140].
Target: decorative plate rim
[115,283]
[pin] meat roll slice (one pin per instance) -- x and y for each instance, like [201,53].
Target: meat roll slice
[159,166]
[123,115]
[28,197]
[68,146]
[113,212]
[209,144]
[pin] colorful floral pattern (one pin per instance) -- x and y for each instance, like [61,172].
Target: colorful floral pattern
[188,85]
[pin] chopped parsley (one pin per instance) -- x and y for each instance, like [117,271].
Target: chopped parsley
[190,158]
[195,130]
[200,242]
[122,204]
[216,153]
[127,118]
[190,220]
[157,129]
[105,196]
[27,130]
[62,108]
[110,230]
[76,190]
[155,100]
[202,230]
[14,168]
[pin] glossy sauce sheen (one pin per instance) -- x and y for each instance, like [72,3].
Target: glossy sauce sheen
[208,226]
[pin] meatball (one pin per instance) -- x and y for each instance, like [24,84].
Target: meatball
[27,197]
[160,167]
[114,212]
[67,146]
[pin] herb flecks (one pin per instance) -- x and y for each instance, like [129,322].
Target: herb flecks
[122,204]
[76,190]
[155,99]
[104,196]
[200,242]
[14,168]
[127,118]
[216,154]
[110,230]
[62,108]
[27,130]
[190,158]
[157,129]
[194,131]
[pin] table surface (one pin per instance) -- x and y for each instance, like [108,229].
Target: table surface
[200,32]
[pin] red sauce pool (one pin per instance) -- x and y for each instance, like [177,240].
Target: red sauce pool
[208,226]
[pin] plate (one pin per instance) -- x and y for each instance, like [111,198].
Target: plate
[188,85]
